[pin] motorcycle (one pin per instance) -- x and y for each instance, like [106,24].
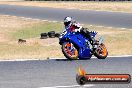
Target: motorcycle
[76,46]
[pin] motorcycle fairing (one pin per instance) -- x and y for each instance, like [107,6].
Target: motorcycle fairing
[80,41]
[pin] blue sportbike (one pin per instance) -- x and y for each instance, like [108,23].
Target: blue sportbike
[76,46]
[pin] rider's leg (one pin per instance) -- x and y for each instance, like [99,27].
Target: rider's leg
[86,33]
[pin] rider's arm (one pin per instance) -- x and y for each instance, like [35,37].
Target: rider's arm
[78,27]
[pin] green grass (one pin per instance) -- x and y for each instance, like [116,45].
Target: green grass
[36,30]
[33,49]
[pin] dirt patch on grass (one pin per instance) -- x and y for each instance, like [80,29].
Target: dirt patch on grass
[10,23]
[29,50]
[102,6]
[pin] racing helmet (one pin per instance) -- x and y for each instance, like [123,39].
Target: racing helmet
[67,20]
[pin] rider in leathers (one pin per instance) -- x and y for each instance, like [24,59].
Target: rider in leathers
[76,27]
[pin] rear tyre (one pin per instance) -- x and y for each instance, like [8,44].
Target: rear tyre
[69,51]
[101,51]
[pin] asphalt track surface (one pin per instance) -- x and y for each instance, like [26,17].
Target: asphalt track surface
[103,18]
[51,73]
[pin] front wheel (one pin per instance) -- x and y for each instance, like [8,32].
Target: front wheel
[69,51]
[101,51]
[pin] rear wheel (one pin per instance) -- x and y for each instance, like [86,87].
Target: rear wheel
[69,51]
[101,51]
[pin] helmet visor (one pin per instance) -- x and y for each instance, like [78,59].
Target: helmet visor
[66,23]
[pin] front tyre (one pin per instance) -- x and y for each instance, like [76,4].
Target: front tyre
[69,51]
[101,51]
